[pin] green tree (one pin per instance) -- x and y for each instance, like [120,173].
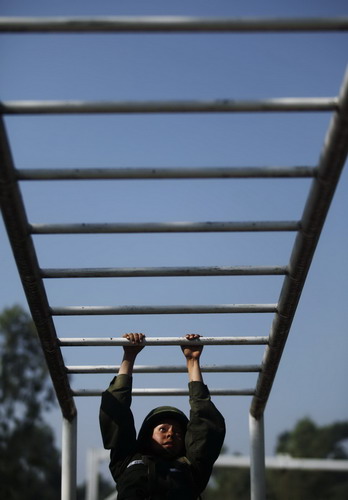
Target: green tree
[307,440]
[29,460]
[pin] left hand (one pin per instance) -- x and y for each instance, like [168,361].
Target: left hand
[192,351]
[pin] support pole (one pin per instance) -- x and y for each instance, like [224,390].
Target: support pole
[92,474]
[257,459]
[69,451]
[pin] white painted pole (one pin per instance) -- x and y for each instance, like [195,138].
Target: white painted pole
[257,459]
[92,475]
[69,451]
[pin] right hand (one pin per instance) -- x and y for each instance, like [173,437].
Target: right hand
[135,339]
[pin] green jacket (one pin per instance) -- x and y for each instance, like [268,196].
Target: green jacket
[140,476]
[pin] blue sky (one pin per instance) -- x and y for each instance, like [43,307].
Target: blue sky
[311,378]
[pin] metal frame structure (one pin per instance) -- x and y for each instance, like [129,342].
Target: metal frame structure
[325,177]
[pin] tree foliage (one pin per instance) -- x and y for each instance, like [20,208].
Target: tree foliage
[29,460]
[306,440]
[25,390]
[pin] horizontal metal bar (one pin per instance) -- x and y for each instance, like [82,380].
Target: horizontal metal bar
[143,272]
[163,227]
[170,24]
[164,369]
[165,173]
[168,392]
[283,462]
[160,341]
[286,104]
[179,309]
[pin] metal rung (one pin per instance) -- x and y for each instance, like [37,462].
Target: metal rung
[163,227]
[138,272]
[117,341]
[169,24]
[285,104]
[165,369]
[181,309]
[165,173]
[168,392]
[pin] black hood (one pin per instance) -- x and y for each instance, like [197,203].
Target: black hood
[156,416]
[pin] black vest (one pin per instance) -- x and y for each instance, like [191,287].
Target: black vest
[152,478]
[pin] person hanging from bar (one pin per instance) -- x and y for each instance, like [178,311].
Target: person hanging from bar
[173,456]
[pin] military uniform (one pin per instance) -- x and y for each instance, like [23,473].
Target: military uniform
[140,475]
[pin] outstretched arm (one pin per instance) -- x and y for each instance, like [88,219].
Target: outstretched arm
[192,354]
[130,352]
[116,418]
[206,429]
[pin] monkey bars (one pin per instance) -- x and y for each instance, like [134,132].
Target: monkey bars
[325,176]
[167,24]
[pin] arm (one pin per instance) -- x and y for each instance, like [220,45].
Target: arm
[192,354]
[206,429]
[131,352]
[116,419]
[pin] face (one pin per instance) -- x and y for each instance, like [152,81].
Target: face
[168,438]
